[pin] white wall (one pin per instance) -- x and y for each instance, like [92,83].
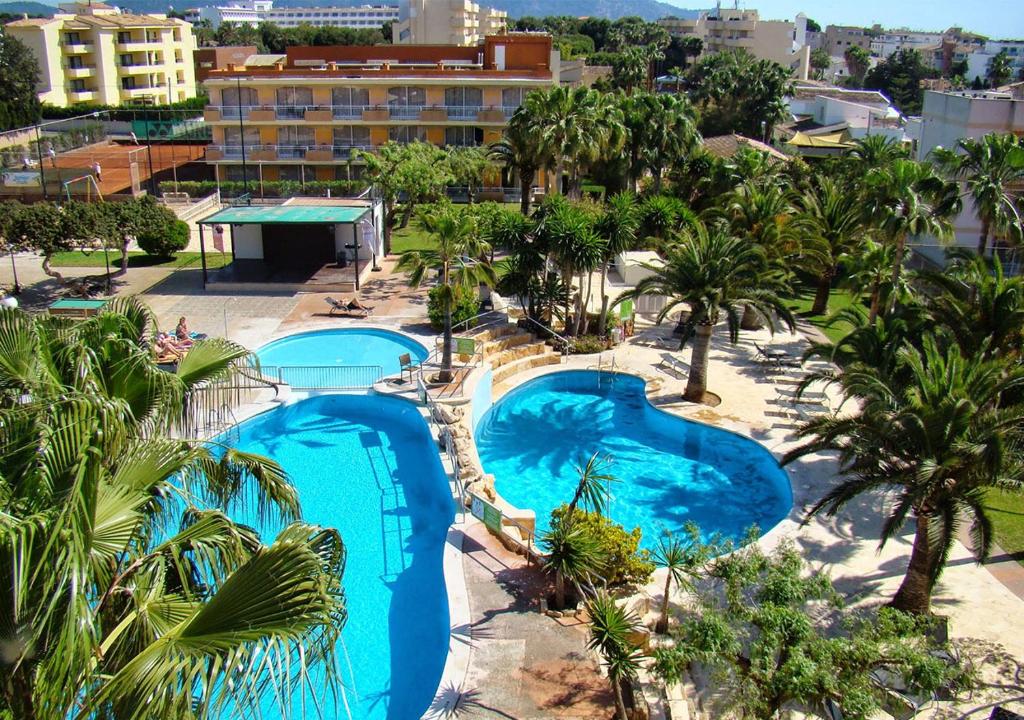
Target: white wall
[248,242]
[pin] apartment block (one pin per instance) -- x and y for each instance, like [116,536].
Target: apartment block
[254,12]
[781,41]
[885,44]
[93,53]
[978,62]
[446,22]
[840,38]
[304,117]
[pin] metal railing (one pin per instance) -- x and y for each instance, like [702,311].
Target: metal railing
[566,343]
[325,377]
[405,112]
[209,410]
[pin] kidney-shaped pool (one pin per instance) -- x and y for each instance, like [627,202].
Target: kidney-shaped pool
[668,470]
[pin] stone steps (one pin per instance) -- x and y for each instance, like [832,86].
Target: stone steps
[547,357]
[506,342]
[517,352]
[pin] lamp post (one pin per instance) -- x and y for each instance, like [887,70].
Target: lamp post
[16,290]
[241,135]
[39,152]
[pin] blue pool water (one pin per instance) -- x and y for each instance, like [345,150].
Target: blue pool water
[366,464]
[669,470]
[343,346]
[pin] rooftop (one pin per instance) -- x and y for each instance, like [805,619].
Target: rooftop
[725,146]
[287,214]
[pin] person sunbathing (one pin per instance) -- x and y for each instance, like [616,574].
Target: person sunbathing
[181,333]
[166,349]
[354,304]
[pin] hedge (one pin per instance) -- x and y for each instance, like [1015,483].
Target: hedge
[271,188]
[123,112]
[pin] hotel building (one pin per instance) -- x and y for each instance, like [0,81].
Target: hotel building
[254,12]
[97,54]
[303,117]
[446,22]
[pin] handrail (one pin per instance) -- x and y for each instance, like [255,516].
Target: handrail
[456,326]
[566,342]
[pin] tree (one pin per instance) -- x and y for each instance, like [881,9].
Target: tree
[758,627]
[468,166]
[423,174]
[1000,69]
[908,198]
[381,170]
[867,272]
[135,218]
[522,151]
[682,558]
[610,630]
[41,227]
[617,226]
[734,92]
[112,617]
[567,231]
[899,78]
[820,62]
[715,274]
[873,152]
[932,431]
[991,169]
[834,224]
[167,240]
[19,101]
[571,554]
[457,258]
[858,60]
[661,132]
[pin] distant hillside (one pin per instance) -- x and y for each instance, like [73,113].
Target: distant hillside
[612,9]
[647,9]
[32,8]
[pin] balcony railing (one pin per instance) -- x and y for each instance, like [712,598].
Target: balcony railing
[234,111]
[291,152]
[349,112]
[405,112]
[294,112]
[456,113]
[463,112]
[346,152]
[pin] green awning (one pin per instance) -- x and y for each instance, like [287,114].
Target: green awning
[285,214]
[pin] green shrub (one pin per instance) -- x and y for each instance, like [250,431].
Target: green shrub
[465,306]
[587,344]
[625,563]
[271,188]
[166,240]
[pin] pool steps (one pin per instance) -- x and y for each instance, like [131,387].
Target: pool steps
[510,350]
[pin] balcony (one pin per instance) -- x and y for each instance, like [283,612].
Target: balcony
[269,153]
[139,68]
[78,48]
[404,112]
[346,152]
[81,71]
[348,112]
[82,95]
[136,45]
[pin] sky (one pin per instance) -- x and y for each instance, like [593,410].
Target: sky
[999,19]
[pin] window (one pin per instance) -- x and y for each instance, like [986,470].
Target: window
[293,141]
[406,102]
[463,102]
[352,136]
[463,136]
[236,100]
[511,99]
[235,173]
[73,38]
[124,37]
[233,137]
[291,172]
[78,86]
[128,83]
[407,133]
[292,101]
[75,61]
[126,60]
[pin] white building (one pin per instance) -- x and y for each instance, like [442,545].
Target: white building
[948,117]
[254,12]
[888,43]
[446,22]
[978,61]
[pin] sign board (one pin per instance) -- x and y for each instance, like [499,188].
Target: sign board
[484,511]
[22,178]
[626,309]
[465,346]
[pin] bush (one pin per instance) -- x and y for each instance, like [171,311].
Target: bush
[166,240]
[126,112]
[587,344]
[271,188]
[625,563]
[466,306]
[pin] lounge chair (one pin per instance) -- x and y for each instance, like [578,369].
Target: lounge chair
[346,308]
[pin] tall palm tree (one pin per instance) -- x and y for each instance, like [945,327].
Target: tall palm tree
[567,231]
[682,558]
[908,198]
[617,226]
[661,132]
[522,151]
[715,274]
[868,270]
[934,435]
[129,592]
[992,170]
[610,630]
[833,226]
[457,260]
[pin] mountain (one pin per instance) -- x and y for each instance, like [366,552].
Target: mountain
[612,9]
[21,8]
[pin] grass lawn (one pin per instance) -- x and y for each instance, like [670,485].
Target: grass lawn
[838,300]
[140,259]
[410,238]
[1007,512]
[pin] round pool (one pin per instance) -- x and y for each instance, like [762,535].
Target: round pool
[342,346]
[668,470]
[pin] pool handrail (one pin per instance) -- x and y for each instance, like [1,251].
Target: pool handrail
[566,342]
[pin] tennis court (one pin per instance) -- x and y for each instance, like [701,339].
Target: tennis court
[122,167]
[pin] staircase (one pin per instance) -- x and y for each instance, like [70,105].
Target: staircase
[511,350]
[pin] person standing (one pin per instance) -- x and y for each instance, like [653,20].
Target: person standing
[97,171]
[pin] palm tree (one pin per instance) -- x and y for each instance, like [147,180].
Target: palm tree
[457,260]
[522,151]
[992,169]
[833,226]
[567,232]
[617,226]
[682,558]
[874,151]
[933,433]
[669,133]
[907,198]
[1000,69]
[593,487]
[867,272]
[714,273]
[571,554]
[610,630]
[111,609]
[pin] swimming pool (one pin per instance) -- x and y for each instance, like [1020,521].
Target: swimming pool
[366,464]
[342,346]
[669,470]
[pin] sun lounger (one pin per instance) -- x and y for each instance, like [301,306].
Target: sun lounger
[345,308]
